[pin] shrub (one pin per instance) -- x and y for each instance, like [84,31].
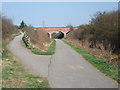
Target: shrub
[103,29]
[8,28]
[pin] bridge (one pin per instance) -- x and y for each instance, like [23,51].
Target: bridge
[51,30]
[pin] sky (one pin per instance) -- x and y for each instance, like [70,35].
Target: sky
[54,14]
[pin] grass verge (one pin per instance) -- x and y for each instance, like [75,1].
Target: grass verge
[15,76]
[14,35]
[102,65]
[50,50]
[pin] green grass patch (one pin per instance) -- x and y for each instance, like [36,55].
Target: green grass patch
[14,74]
[43,53]
[35,83]
[3,44]
[49,51]
[101,64]
[14,35]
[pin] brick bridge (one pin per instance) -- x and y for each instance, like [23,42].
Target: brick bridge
[51,30]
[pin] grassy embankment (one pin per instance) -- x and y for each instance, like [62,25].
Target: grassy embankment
[102,65]
[14,74]
[49,51]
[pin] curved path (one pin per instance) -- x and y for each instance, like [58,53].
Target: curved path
[36,64]
[65,69]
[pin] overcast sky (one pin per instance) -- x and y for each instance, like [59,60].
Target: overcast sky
[54,14]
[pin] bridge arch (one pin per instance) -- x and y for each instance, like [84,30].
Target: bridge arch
[58,35]
[50,30]
[61,32]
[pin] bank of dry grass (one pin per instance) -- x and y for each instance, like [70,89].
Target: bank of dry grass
[38,42]
[8,28]
[50,50]
[38,38]
[100,53]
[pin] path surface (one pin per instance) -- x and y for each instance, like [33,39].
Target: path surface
[36,64]
[65,69]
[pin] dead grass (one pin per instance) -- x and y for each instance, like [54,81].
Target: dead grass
[38,38]
[42,41]
[8,28]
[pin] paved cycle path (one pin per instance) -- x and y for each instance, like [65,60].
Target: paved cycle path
[65,69]
[36,64]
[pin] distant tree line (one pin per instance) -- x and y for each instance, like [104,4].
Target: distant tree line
[102,29]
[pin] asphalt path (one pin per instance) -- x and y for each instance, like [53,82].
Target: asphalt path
[65,69]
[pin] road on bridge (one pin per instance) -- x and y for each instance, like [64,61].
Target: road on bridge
[65,69]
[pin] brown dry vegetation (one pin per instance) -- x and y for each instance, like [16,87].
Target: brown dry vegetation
[100,37]
[0,33]
[8,28]
[38,38]
[0,24]
[110,57]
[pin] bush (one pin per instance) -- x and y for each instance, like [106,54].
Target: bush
[106,29]
[8,28]
[103,29]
